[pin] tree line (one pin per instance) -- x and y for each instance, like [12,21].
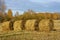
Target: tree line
[30,14]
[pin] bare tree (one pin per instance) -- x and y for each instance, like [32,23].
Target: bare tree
[2,6]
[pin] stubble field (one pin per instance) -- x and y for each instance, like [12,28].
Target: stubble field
[31,35]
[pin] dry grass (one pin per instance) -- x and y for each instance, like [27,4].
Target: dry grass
[30,36]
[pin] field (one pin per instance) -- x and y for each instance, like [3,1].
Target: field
[31,35]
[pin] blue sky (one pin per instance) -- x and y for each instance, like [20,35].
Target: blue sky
[36,5]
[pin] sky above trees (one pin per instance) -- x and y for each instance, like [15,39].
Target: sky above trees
[36,5]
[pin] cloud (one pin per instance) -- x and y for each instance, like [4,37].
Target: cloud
[44,1]
[36,5]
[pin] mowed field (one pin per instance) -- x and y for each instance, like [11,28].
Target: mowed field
[30,35]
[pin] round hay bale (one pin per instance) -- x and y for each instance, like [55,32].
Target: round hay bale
[5,26]
[37,25]
[1,27]
[23,24]
[31,25]
[17,25]
[11,24]
[46,25]
[57,25]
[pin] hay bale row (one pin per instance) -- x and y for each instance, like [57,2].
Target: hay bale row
[29,25]
[46,25]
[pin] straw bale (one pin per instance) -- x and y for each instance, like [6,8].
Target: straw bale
[57,24]
[23,24]
[46,25]
[30,25]
[5,26]
[1,27]
[11,25]
[17,25]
